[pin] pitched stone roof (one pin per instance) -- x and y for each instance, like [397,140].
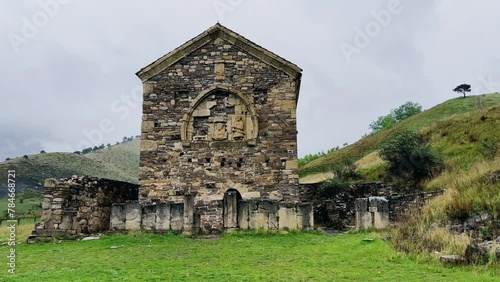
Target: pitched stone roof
[219,31]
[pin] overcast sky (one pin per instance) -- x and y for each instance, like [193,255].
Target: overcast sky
[68,66]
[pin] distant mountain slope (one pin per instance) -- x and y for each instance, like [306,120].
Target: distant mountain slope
[120,162]
[372,142]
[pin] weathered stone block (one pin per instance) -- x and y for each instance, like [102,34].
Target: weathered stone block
[163,217]
[177,217]
[288,218]
[148,217]
[133,214]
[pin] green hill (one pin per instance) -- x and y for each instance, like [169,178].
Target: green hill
[445,111]
[119,162]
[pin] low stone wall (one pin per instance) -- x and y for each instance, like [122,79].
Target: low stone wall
[337,209]
[80,205]
[372,212]
[182,217]
[401,203]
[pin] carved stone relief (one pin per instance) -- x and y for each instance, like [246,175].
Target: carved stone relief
[220,116]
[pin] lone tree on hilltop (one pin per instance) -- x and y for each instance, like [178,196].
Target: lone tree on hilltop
[463,89]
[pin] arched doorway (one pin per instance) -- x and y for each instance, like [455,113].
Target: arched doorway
[230,209]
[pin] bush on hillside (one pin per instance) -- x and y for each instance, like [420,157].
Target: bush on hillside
[410,159]
[343,172]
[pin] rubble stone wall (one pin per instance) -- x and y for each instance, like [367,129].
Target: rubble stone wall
[80,205]
[337,209]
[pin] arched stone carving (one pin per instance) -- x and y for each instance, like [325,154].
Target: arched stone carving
[220,114]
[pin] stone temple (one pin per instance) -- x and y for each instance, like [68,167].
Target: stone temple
[218,143]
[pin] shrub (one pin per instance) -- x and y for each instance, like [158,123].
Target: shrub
[410,158]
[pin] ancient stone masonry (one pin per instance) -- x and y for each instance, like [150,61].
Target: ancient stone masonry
[218,149]
[341,209]
[238,215]
[80,205]
[219,114]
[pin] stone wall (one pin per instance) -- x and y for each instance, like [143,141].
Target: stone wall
[80,205]
[337,209]
[181,217]
[218,118]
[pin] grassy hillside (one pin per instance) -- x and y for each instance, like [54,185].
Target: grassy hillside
[120,162]
[256,256]
[369,144]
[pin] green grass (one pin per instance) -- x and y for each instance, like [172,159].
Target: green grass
[234,257]
[120,162]
[446,111]
[28,208]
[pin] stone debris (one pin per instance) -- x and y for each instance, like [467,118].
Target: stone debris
[91,238]
[452,259]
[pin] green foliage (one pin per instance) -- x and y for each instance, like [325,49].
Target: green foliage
[311,157]
[343,172]
[410,158]
[383,122]
[404,111]
[332,186]
[463,89]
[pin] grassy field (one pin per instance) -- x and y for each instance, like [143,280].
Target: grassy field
[28,208]
[233,257]
[446,112]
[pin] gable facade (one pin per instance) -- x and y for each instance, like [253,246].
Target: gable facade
[219,116]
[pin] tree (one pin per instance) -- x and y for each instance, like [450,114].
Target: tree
[406,110]
[42,152]
[382,122]
[7,159]
[108,145]
[25,156]
[77,152]
[410,158]
[463,89]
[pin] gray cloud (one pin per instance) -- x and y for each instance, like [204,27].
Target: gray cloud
[78,70]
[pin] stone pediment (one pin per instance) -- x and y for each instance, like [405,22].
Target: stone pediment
[214,32]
